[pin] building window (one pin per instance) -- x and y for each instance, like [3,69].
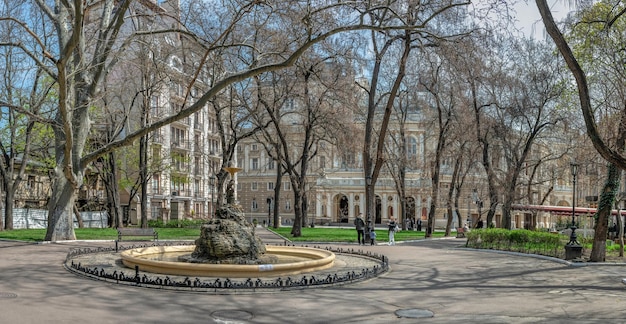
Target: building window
[322,162]
[31,182]
[156,183]
[287,185]
[255,164]
[287,204]
[411,148]
[254,186]
[254,206]
[154,106]
[270,165]
[270,186]
[178,137]
[254,147]
[197,188]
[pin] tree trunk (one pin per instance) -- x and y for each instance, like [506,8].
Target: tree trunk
[598,251]
[79,218]
[143,174]
[113,192]
[9,199]
[60,211]
[620,229]
[277,187]
[296,230]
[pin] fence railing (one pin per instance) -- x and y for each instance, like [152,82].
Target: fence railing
[137,278]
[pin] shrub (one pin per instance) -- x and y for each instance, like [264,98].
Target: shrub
[187,223]
[519,240]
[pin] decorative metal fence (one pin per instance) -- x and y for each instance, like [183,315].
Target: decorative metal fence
[224,284]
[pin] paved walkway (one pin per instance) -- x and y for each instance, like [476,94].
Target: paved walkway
[427,277]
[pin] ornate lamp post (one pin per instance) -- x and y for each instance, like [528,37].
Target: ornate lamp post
[212,184]
[574,170]
[269,211]
[573,249]
[370,221]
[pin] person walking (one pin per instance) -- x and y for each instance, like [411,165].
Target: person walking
[360,229]
[393,227]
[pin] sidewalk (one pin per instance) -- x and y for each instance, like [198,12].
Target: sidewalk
[428,277]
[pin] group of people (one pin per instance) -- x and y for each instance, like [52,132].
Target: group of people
[359,223]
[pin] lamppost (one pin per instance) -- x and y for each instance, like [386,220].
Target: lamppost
[269,211]
[574,170]
[573,249]
[479,204]
[212,184]
[469,210]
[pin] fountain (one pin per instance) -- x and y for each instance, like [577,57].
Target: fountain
[228,247]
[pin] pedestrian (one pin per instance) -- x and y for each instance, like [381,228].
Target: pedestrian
[419,224]
[393,227]
[360,229]
[479,224]
[372,237]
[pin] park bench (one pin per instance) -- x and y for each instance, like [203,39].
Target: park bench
[460,232]
[133,231]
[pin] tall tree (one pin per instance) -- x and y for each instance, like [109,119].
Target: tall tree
[25,95]
[88,41]
[598,37]
[610,33]
[381,96]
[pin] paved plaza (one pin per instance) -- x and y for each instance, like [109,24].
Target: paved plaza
[430,281]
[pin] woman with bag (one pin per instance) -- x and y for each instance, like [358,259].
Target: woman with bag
[393,227]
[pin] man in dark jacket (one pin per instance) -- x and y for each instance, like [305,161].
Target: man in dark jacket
[360,229]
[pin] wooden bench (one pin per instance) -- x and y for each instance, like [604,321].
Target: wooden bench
[460,232]
[133,231]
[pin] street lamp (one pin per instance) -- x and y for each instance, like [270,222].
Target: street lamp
[212,184]
[573,249]
[269,211]
[574,169]
[479,204]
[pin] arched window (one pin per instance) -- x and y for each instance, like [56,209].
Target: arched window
[176,63]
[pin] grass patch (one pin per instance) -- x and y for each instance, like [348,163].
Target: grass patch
[346,235]
[317,234]
[37,235]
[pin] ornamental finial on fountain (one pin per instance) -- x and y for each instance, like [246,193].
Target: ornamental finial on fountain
[230,188]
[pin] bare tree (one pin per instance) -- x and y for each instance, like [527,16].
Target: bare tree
[609,23]
[381,105]
[601,33]
[25,94]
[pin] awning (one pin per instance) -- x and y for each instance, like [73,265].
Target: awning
[563,210]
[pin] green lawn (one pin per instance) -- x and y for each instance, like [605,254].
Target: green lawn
[36,235]
[346,235]
[317,234]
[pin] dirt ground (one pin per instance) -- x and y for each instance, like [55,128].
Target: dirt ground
[611,256]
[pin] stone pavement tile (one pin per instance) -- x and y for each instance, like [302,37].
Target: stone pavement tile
[455,284]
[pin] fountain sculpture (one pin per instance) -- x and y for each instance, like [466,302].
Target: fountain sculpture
[228,246]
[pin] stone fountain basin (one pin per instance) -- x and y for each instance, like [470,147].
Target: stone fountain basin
[299,260]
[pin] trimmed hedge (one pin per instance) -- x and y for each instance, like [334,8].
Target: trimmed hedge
[519,240]
[182,223]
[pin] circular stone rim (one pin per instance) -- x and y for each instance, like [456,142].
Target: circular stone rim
[318,259]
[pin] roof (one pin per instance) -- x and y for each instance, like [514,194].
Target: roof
[563,210]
